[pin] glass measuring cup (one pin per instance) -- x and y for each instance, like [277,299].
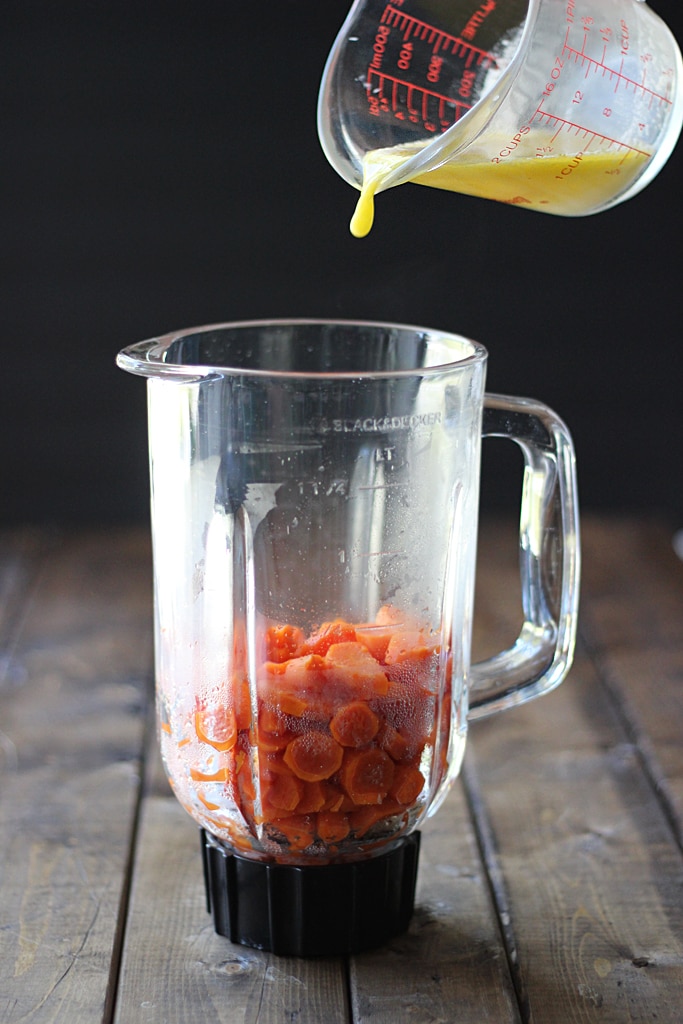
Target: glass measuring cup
[314,519]
[562,106]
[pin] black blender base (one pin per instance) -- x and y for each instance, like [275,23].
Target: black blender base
[327,910]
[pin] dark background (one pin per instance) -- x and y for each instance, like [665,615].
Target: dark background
[161,169]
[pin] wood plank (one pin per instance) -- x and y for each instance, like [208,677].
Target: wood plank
[580,849]
[451,964]
[176,970]
[21,554]
[647,686]
[633,625]
[586,858]
[635,582]
[74,720]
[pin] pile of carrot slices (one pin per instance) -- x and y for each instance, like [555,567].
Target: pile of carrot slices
[343,719]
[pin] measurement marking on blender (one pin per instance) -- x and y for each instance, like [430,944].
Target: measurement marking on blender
[381,487]
[380,554]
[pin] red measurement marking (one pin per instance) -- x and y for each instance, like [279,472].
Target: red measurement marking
[562,124]
[592,64]
[415,99]
[414,28]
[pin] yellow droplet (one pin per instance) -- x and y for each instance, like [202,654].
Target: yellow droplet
[364,214]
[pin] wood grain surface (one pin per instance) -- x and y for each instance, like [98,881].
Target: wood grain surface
[550,888]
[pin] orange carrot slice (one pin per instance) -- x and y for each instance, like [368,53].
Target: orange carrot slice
[329,633]
[281,793]
[219,776]
[332,827]
[207,803]
[304,672]
[354,725]
[353,666]
[366,775]
[288,703]
[334,797]
[314,797]
[271,742]
[241,702]
[217,727]
[376,638]
[314,756]
[297,830]
[393,742]
[282,642]
[390,615]
[407,784]
[411,645]
[364,818]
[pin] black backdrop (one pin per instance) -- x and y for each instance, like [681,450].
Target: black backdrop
[161,169]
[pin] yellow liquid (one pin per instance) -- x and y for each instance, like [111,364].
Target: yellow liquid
[566,185]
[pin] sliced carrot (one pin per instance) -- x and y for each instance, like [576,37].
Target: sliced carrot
[407,784]
[281,793]
[239,841]
[241,701]
[366,775]
[400,706]
[314,797]
[314,756]
[271,721]
[239,650]
[354,725]
[297,687]
[304,672]
[217,727]
[271,763]
[219,776]
[393,742]
[411,645]
[274,668]
[329,633]
[245,783]
[297,830]
[364,818]
[345,805]
[376,638]
[271,743]
[207,803]
[390,615]
[288,703]
[334,797]
[332,827]
[352,665]
[283,642]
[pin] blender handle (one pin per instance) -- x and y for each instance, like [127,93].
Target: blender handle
[549,559]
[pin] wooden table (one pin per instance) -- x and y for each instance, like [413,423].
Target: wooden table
[551,883]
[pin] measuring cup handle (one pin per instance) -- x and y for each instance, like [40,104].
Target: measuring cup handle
[549,559]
